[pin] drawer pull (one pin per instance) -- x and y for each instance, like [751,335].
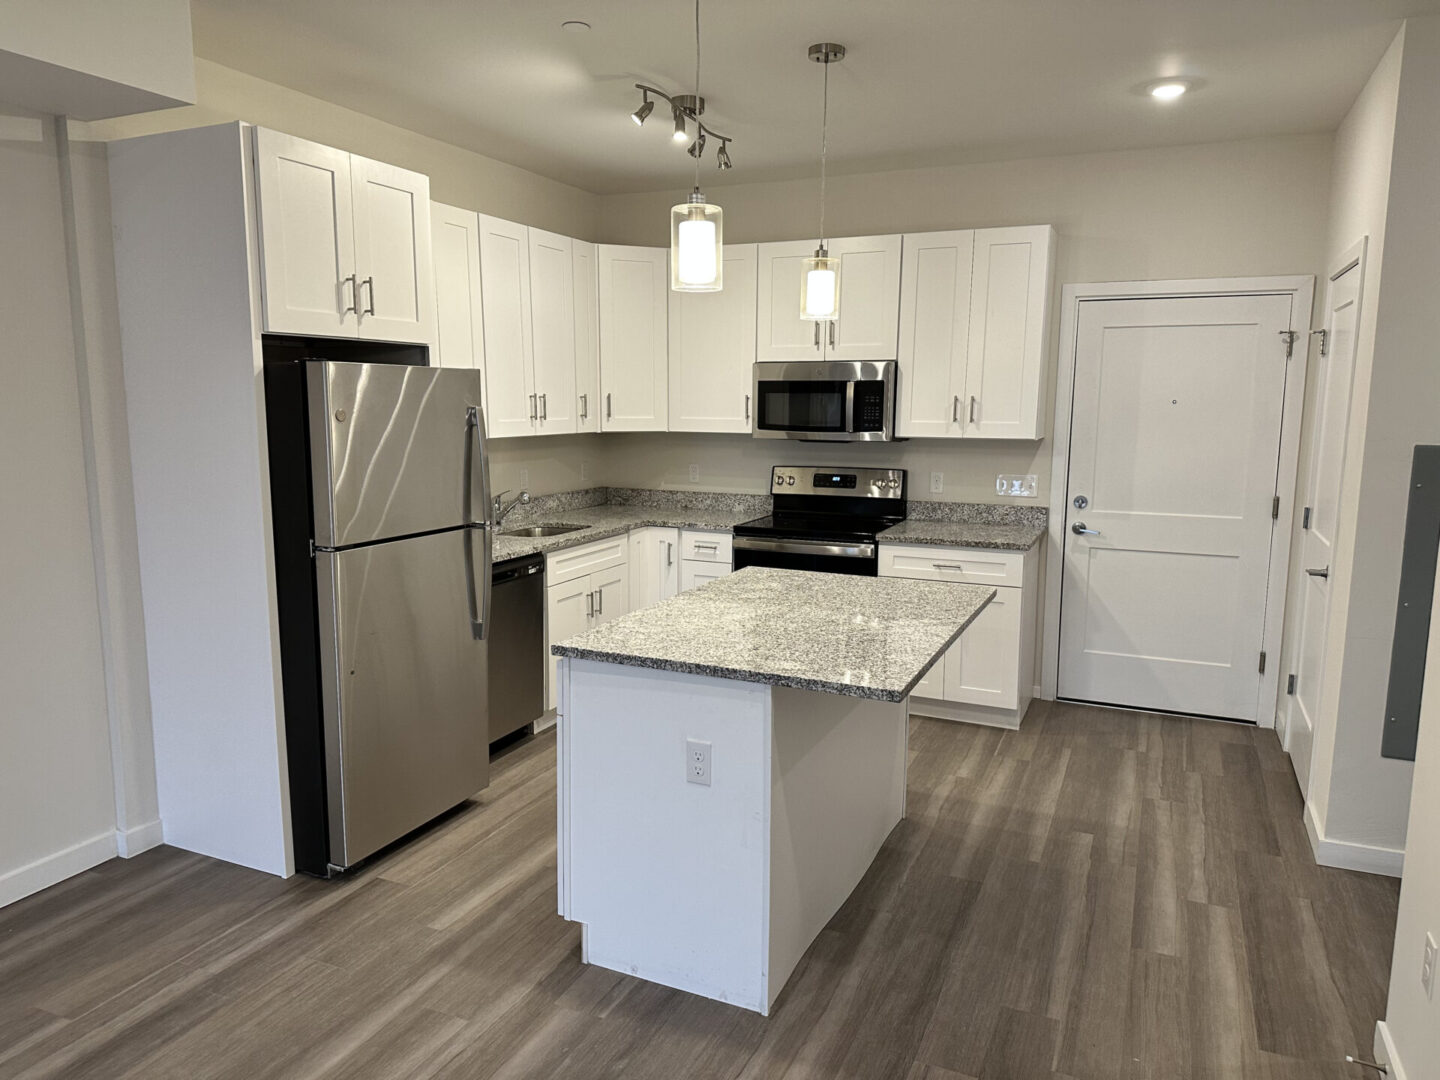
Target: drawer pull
[947,566]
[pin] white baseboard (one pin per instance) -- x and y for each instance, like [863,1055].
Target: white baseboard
[1009,719]
[132,841]
[1385,1052]
[44,872]
[1345,855]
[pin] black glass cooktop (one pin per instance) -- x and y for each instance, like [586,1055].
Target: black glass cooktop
[845,527]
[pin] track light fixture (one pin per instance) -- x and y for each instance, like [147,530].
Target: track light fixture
[697,147]
[681,133]
[722,156]
[646,108]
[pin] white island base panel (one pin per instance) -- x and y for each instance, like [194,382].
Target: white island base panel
[717,890]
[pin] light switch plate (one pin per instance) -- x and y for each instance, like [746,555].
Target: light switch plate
[1016,485]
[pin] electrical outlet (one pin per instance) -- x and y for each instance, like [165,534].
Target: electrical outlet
[937,483]
[697,762]
[1016,486]
[524,478]
[1427,968]
[694,474]
[584,471]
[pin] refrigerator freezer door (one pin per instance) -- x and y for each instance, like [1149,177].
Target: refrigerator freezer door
[389,450]
[404,685]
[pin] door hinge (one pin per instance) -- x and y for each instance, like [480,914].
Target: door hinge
[1324,341]
[1275,509]
[1262,661]
[1289,336]
[1305,519]
[1290,685]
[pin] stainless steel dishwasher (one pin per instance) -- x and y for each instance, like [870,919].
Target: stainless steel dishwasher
[517,644]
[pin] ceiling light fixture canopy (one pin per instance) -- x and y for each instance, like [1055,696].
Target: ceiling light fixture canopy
[697,226]
[820,274]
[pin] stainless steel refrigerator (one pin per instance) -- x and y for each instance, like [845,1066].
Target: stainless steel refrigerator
[383,557]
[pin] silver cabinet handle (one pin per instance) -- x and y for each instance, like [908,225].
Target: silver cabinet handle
[955,411]
[354,295]
[608,413]
[1324,572]
[832,333]
[973,403]
[544,410]
[669,553]
[747,408]
[712,547]
[534,408]
[1079,529]
[584,406]
[369,281]
[600,601]
[947,566]
[817,335]
[589,605]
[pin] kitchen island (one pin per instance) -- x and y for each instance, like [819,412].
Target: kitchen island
[730,762]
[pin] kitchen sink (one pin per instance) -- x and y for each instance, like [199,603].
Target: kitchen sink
[541,530]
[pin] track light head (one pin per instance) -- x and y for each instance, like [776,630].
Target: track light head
[698,146]
[645,109]
[722,156]
[680,133]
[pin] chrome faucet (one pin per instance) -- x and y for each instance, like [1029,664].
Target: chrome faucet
[502,510]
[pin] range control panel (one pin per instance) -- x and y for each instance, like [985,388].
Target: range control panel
[855,483]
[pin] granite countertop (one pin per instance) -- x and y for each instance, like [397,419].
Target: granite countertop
[837,633]
[610,519]
[971,534]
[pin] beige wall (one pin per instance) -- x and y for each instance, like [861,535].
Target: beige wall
[1218,210]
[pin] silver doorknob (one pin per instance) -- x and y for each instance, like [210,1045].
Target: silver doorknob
[1324,572]
[1079,529]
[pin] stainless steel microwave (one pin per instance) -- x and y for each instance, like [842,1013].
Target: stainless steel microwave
[825,401]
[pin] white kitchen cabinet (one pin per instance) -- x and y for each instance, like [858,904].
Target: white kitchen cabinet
[1009,331]
[654,565]
[712,350]
[509,364]
[344,243]
[982,668]
[694,574]
[568,611]
[934,333]
[869,281]
[612,593]
[455,250]
[704,556]
[587,339]
[585,587]
[633,288]
[552,322]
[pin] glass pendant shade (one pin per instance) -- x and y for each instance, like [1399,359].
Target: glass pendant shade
[697,234]
[820,287]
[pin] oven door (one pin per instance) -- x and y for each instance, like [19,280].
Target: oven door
[825,556]
[825,401]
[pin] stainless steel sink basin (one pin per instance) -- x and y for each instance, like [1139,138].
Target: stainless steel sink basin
[541,530]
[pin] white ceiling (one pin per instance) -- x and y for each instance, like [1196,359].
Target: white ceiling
[926,81]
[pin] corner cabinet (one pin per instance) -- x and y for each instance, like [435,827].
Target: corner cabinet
[459,326]
[974,326]
[344,243]
[869,301]
[633,287]
[712,350]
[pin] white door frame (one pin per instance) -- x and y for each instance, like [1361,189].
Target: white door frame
[1301,289]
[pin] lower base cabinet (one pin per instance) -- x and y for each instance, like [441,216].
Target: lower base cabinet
[585,587]
[654,565]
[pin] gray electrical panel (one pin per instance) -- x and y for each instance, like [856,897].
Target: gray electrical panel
[1412,614]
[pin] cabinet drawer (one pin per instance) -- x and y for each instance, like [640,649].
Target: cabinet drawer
[705,546]
[974,566]
[573,562]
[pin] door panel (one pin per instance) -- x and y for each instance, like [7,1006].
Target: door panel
[694,574]
[307,240]
[980,667]
[405,696]
[780,333]
[587,337]
[390,450]
[392,252]
[567,613]
[712,350]
[459,328]
[869,323]
[1174,445]
[509,361]
[552,322]
[934,333]
[612,593]
[1322,497]
[634,285]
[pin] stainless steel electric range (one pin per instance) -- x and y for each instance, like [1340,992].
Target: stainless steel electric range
[823,519]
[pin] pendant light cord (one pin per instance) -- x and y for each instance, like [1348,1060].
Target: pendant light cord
[698,133]
[824,144]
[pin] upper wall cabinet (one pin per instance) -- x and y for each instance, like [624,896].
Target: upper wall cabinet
[459,327]
[974,317]
[552,323]
[867,328]
[511,407]
[344,243]
[634,285]
[712,350]
[587,337]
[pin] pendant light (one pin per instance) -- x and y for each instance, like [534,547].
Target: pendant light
[697,227]
[820,274]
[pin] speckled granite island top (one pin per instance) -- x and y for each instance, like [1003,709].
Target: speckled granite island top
[865,637]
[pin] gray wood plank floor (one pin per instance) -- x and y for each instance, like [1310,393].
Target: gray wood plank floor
[1101,895]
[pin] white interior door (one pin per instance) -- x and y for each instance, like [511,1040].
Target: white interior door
[1173,461]
[552,323]
[509,364]
[712,350]
[1322,498]
[455,247]
[392,252]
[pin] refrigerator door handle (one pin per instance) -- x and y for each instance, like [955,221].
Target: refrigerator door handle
[479,598]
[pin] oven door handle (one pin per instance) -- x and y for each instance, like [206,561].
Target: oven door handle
[805,547]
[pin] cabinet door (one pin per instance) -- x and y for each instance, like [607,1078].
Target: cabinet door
[780,333]
[933,684]
[567,613]
[869,322]
[712,350]
[552,323]
[307,238]
[983,667]
[654,566]
[633,287]
[509,366]
[1009,316]
[612,593]
[455,250]
[934,333]
[392,252]
[694,574]
[587,340]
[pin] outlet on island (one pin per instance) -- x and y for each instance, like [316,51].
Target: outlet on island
[697,762]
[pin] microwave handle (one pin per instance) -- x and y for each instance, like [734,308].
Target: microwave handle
[849,405]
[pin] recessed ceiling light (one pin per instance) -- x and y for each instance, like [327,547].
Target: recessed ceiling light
[1168,89]
[575,26]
